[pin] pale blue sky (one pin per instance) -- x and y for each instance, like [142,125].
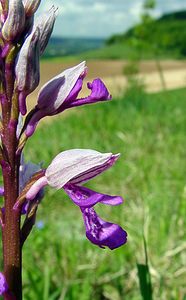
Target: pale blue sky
[101,18]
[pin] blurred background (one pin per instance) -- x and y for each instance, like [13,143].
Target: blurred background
[138,48]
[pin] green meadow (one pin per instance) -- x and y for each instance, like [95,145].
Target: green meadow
[149,132]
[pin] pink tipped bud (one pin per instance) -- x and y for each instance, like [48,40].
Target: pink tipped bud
[15,21]
[31,6]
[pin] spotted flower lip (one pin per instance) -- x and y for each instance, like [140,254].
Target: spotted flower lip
[69,170]
[61,93]
[99,232]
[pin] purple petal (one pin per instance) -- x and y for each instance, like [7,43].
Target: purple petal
[39,196]
[22,103]
[84,197]
[74,92]
[3,284]
[2,191]
[37,116]
[99,92]
[102,233]
[24,208]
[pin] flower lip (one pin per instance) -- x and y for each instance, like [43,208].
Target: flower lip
[98,231]
[102,233]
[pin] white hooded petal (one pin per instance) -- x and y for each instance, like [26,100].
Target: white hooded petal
[73,163]
[55,91]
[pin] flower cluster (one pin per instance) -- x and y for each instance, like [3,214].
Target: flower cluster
[23,40]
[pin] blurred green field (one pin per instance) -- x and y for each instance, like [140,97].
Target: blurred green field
[149,131]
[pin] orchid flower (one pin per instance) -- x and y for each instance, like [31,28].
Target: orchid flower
[61,93]
[69,170]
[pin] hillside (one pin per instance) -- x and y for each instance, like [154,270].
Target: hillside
[71,46]
[163,38]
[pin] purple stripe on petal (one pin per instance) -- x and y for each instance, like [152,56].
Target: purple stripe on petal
[51,91]
[102,233]
[30,128]
[75,91]
[84,197]
[91,173]
[99,92]
[3,284]
[22,103]
[74,164]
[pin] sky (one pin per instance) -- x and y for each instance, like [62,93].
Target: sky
[102,18]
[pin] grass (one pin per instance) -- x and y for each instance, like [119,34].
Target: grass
[149,131]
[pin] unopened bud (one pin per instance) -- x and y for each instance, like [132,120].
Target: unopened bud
[45,23]
[31,6]
[28,25]
[27,68]
[15,21]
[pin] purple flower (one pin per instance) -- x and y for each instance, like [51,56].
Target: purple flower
[69,170]
[61,93]
[2,191]
[3,284]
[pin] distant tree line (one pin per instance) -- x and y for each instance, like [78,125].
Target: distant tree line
[164,35]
